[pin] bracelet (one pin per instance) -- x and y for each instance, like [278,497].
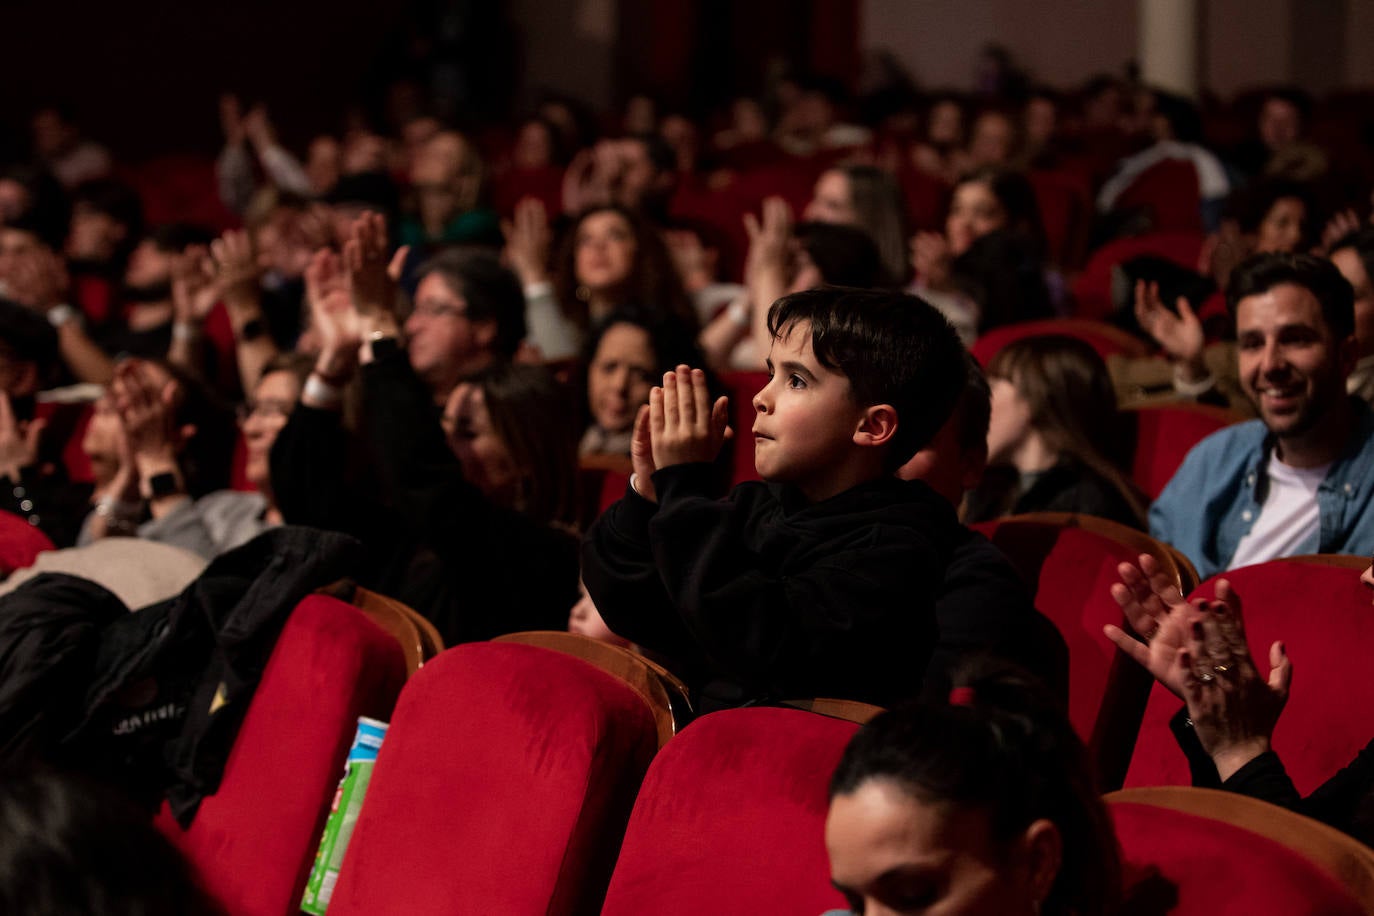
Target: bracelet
[185,331]
[62,313]
[319,390]
[738,313]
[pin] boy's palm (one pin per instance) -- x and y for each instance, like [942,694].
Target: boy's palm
[684,426]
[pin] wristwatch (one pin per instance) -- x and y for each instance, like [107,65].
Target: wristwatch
[164,484]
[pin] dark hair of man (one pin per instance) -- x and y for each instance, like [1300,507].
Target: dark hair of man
[894,349]
[491,291]
[1185,123]
[1361,241]
[26,336]
[1009,752]
[114,199]
[845,255]
[70,847]
[174,238]
[1259,274]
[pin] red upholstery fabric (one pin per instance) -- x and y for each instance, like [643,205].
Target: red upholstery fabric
[503,786]
[1165,434]
[1211,868]
[20,543]
[1107,340]
[731,819]
[741,388]
[179,188]
[254,840]
[1323,616]
[1066,206]
[67,424]
[1092,291]
[544,185]
[1070,572]
[1169,191]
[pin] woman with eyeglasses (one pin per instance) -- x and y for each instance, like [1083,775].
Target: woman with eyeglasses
[154,437]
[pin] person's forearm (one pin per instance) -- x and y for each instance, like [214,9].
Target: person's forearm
[234,172]
[83,357]
[284,170]
[185,350]
[719,338]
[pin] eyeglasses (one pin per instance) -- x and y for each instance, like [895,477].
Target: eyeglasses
[431,308]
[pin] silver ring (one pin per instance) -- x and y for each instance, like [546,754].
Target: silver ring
[1206,678]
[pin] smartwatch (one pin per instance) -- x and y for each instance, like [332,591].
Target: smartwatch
[164,484]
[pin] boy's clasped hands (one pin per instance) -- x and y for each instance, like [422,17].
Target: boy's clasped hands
[679,425]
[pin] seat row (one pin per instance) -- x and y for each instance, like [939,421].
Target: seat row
[544,773]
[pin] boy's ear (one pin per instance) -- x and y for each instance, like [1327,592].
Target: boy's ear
[877,426]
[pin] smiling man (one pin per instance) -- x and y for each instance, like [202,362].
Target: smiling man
[1296,480]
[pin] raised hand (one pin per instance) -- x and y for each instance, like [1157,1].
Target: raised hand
[37,278]
[231,119]
[1181,336]
[367,272]
[642,456]
[684,426]
[528,240]
[930,259]
[195,287]
[1339,226]
[18,441]
[144,403]
[769,236]
[257,127]
[236,269]
[1158,612]
[334,318]
[1233,707]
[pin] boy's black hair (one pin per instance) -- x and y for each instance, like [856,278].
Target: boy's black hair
[1262,272]
[894,348]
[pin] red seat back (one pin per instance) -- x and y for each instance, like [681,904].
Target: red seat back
[1165,433]
[731,818]
[1106,339]
[1187,865]
[1168,190]
[1323,615]
[1070,570]
[741,388]
[20,543]
[1092,291]
[503,786]
[253,841]
[1065,203]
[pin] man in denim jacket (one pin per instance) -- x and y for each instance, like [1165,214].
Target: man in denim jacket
[1298,480]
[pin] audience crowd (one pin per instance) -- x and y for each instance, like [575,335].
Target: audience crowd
[448,343]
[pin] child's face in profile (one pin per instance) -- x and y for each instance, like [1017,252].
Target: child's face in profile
[805,419]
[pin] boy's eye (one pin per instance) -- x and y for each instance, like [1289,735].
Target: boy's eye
[796,381]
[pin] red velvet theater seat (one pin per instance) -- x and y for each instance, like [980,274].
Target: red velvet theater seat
[731,819]
[1189,865]
[503,786]
[20,543]
[1069,562]
[254,840]
[1323,615]
[1106,339]
[1165,433]
[1092,291]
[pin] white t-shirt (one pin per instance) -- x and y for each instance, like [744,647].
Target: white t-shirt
[1289,517]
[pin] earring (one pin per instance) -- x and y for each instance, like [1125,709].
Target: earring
[584,293]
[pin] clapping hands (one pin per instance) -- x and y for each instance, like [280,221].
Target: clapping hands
[679,425]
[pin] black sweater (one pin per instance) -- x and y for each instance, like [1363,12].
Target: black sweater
[763,596]
[434,540]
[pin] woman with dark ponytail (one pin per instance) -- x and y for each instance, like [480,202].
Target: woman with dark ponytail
[983,805]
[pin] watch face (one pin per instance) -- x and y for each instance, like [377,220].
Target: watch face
[164,485]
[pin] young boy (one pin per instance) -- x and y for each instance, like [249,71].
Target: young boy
[821,581]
